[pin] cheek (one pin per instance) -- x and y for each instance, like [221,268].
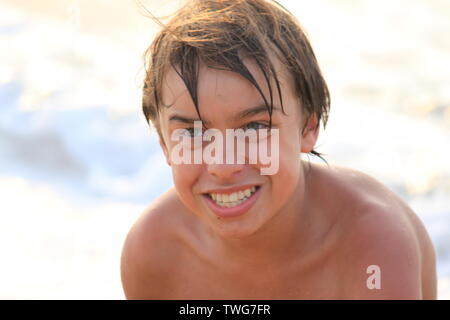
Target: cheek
[289,171]
[289,148]
[185,177]
[289,174]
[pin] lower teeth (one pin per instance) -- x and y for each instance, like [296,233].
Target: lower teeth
[230,204]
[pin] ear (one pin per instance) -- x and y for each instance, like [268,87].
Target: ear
[165,150]
[310,134]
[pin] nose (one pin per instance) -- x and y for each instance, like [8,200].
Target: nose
[224,171]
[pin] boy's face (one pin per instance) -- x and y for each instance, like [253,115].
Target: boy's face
[222,96]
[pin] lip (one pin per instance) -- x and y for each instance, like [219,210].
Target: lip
[236,211]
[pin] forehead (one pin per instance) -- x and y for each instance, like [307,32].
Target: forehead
[226,89]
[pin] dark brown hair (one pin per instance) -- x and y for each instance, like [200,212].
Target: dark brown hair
[218,33]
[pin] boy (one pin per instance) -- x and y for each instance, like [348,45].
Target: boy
[229,231]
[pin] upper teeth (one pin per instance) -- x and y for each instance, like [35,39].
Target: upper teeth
[232,199]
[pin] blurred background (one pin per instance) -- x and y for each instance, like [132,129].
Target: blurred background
[78,162]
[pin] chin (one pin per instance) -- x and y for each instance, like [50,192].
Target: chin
[235,229]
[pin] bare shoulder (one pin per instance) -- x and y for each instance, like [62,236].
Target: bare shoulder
[382,239]
[152,248]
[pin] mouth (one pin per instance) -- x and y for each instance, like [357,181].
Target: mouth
[231,204]
[231,200]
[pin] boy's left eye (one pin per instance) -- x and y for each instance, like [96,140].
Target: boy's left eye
[194,132]
[255,126]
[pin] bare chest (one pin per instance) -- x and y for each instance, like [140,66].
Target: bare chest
[197,281]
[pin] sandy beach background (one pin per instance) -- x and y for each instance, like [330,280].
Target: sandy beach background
[78,162]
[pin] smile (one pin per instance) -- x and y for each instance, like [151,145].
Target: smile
[233,199]
[232,204]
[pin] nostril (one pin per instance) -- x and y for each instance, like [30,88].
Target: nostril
[224,170]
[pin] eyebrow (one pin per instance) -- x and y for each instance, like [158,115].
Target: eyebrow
[253,111]
[247,113]
[183,119]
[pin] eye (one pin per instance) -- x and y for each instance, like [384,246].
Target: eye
[255,126]
[194,132]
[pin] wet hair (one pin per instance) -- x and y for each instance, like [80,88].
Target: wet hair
[220,34]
